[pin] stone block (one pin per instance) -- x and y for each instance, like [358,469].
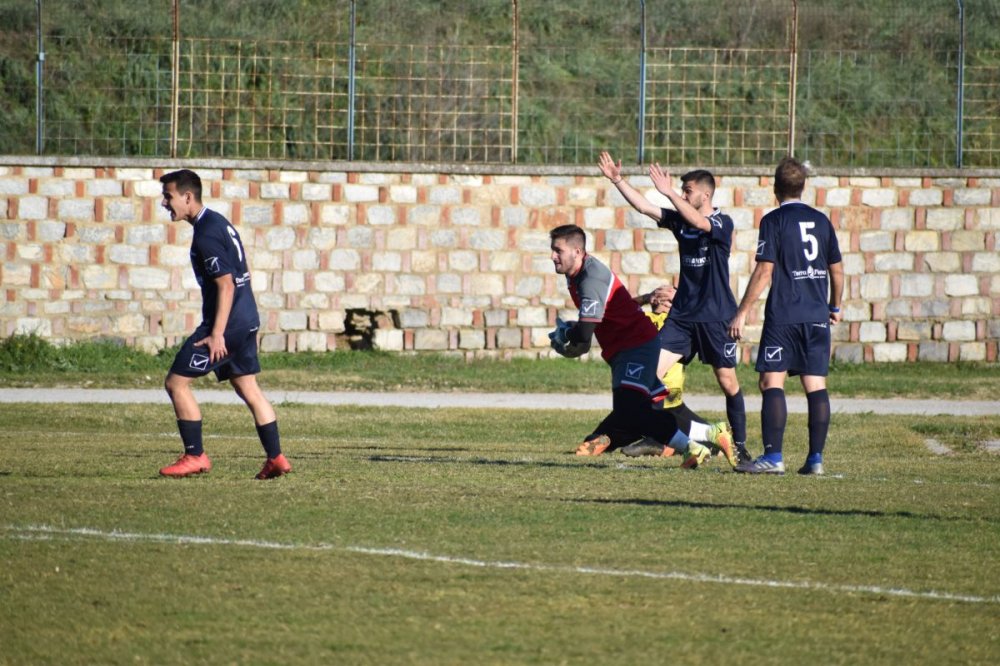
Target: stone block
[968,241]
[986,262]
[36,208]
[295,214]
[59,188]
[471,339]
[922,241]
[335,214]
[485,285]
[380,215]
[838,197]
[128,254]
[636,263]
[913,331]
[617,240]
[872,331]
[463,260]
[972,351]
[943,262]
[932,351]
[895,261]
[504,262]
[973,197]
[916,285]
[316,191]
[354,193]
[876,241]
[536,196]
[387,339]
[945,219]
[961,285]
[849,353]
[428,339]
[599,218]
[864,181]
[488,239]
[466,216]
[104,187]
[328,281]
[361,237]
[48,231]
[148,278]
[448,283]
[391,262]
[411,285]
[514,216]
[305,260]
[344,260]
[532,316]
[314,341]
[976,307]
[889,352]
[581,196]
[880,197]
[292,320]
[958,331]
[509,338]
[15,186]
[444,195]
[258,215]
[496,318]
[897,219]
[424,215]
[986,218]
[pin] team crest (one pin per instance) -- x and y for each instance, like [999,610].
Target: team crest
[588,308]
[212,265]
[199,361]
[729,351]
[772,354]
[760,247]
[634,370]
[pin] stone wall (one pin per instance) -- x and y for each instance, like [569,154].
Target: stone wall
[446,257]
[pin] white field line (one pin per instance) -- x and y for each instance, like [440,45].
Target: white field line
[46,532]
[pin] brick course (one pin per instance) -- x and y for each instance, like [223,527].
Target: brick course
[457,257]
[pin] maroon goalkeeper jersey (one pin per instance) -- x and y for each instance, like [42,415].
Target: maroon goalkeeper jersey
[602,298]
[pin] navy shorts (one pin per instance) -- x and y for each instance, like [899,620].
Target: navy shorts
[635,369]
[708,339]
[799,349]
[241,360]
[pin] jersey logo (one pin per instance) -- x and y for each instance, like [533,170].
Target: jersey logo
[212,265]
[760,247]
[634,370]
[716,222]
[772,354]
[588,308]
[730,350]
[199,361]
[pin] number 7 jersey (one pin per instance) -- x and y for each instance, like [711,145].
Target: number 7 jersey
[216,250]
[802,244]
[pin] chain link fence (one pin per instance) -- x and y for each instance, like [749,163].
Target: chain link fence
[874,83]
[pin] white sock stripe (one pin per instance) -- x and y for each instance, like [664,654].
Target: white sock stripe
[45,532]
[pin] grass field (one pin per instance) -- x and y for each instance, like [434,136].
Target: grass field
[472,536]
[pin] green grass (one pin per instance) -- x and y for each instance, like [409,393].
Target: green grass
[31,361]
[466,484]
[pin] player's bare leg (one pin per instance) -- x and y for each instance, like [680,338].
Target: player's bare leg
[193,460]
[267,425]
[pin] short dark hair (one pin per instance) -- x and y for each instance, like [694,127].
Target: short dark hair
[789,178]
[185,181]
[573,234]
[701,177]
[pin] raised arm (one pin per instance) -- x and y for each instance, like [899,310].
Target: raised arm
[662,182]
[613,171]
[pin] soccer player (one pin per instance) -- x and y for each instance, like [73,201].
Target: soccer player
[689,423]
[798,255]
[628,344]
[704,303]
[226,340]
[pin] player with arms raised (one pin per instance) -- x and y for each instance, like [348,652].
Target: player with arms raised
[798,255]
[704,302]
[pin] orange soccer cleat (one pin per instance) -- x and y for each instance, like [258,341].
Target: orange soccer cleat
[594,445]
[274,467]
[187,465]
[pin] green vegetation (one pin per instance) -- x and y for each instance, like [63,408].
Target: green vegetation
[32,361]
[877,80]
[450,537]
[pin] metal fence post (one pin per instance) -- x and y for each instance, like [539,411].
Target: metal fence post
[642,82]
[175,78]
[793,77]
[351,74]
[960,96]
[39,87]
[515,75]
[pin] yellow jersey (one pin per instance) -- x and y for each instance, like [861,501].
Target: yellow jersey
[674,379]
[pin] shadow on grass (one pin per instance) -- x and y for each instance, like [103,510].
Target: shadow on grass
[437,460]
[797,510]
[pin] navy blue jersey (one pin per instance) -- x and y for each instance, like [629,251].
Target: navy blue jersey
[216,249]
[703,292]
[801,243]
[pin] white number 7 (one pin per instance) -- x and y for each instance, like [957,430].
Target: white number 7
[811,248]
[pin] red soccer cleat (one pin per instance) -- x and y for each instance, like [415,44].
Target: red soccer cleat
[187,465]
[274,467]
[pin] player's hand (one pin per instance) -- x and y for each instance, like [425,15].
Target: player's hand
[662,298]
[662,181]
[216,347]
[836,317]
[559,340]
[611,170]
[736,326]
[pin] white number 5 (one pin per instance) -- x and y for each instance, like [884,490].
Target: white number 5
[811,248]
